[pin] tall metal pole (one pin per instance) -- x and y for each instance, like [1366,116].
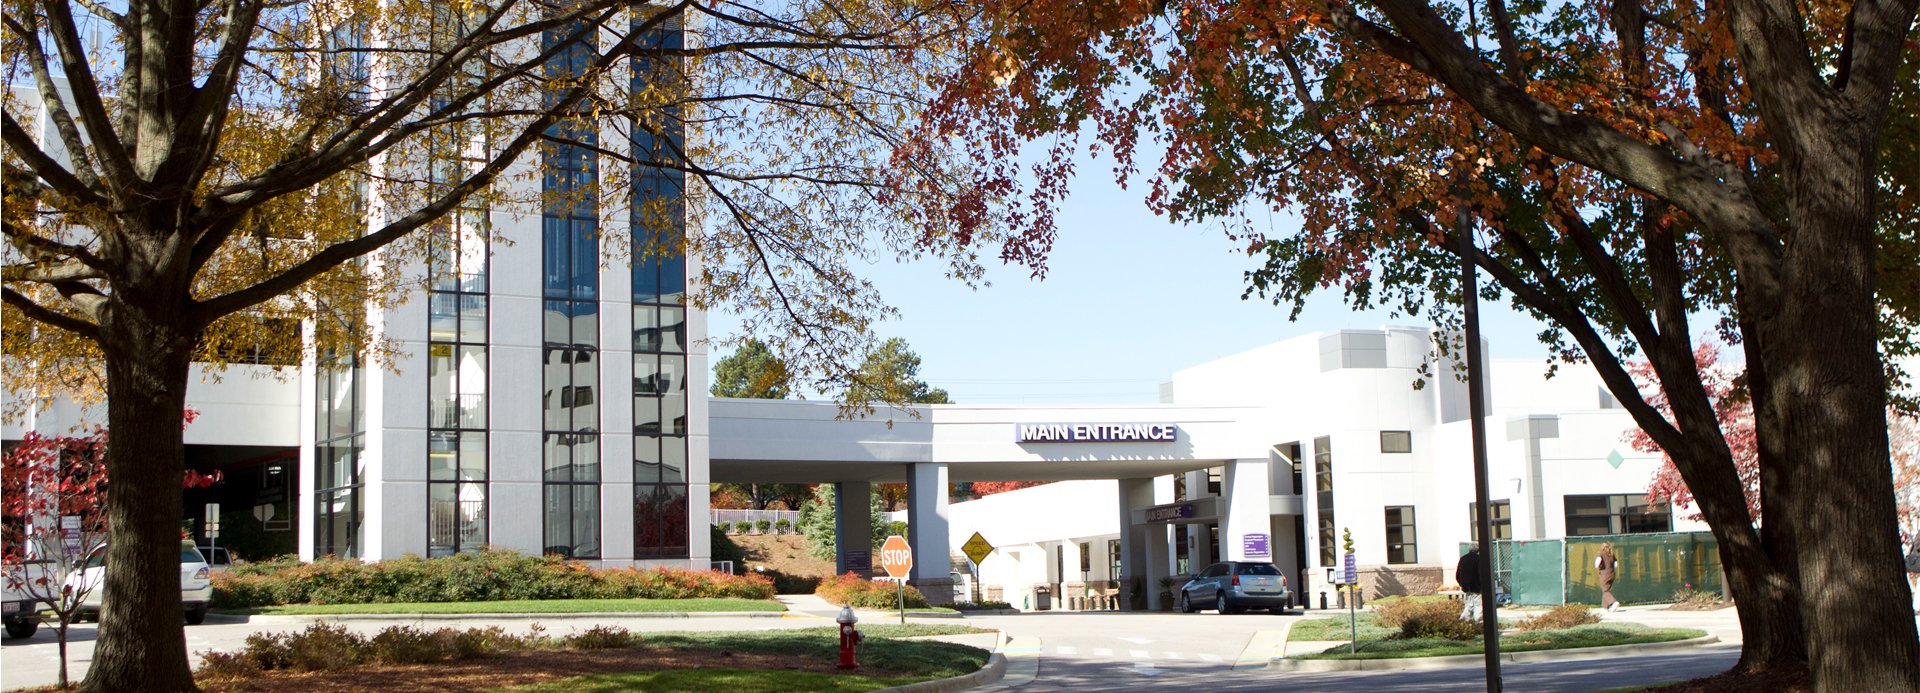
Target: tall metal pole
[1476,410]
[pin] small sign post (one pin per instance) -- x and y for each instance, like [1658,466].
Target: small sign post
[1353,597]
[896,555]
[977,550]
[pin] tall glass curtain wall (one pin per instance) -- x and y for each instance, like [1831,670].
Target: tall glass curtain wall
[339,399]
[570,261]
[1323,487]
[457,469]
[660,512]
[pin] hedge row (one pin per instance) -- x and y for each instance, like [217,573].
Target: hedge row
[861,593]
[469,577]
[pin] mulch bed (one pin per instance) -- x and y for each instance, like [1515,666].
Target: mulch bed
[1797,681]
[517,668]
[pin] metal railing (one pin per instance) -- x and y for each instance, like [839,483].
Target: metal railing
[730,516]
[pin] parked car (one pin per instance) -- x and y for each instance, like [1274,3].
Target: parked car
[1235,586]
[22,611]
[217,558]
[196,583]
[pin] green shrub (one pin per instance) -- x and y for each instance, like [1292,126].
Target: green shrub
[320,646]
[743,527]
[791,584]
[227,665]
[599,638]
[1420,618]
[1556,618]
[783,526]
[467,577]
[980,606]
[763,526]
[861,593]
[409,645]
[725,550]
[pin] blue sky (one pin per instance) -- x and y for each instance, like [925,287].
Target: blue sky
[1128,299]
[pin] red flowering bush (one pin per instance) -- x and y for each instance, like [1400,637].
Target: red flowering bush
[861,593]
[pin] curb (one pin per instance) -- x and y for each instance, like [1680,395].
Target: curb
[1412,663]
[996,667]
[866,614]
[320,618]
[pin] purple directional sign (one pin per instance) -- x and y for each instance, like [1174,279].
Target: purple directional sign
[1255,545]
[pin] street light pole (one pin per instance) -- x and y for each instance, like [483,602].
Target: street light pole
[1476,411]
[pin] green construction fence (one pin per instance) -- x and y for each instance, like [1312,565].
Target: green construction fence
[1652,567]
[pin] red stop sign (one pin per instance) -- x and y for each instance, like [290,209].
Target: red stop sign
[896,556]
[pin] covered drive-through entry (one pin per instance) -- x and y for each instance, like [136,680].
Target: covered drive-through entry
[780,441]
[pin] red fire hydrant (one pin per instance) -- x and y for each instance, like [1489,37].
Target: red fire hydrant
[849,637]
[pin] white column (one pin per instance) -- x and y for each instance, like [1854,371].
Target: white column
[852,527]
[1244,491]
[927,530]
[1134,493]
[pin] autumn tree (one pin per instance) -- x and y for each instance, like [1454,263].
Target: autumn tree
[987,488]
[752,371]
[1614,167]
[891,373]
[180,174]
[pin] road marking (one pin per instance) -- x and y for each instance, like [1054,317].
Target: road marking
[1021,646]
[1137,641]
[1263,648]
[1066,650]
[1145,669]
[1102,652]
[1137,654]
[1209,656]
[1170,655]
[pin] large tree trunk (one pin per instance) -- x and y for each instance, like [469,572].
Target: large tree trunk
[1828,391]
[142,646]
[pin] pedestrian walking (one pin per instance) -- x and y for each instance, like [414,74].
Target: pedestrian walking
[1608,569]
[1468,575]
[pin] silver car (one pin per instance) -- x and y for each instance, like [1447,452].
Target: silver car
[1235,586]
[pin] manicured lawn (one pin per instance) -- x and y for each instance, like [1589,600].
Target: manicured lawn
[536,606]
[895,630]
[730,680]
[1590,635]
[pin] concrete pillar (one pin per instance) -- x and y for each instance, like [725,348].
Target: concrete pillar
[927,531]
[1531,430]
[852,527]
[1199,548]
[1244,491]
[1134,493]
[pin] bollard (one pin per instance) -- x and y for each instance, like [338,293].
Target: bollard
[1323,600]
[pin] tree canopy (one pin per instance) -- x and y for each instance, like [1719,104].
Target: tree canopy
[180,174]
[891,373]
[1616,168]
[752,371]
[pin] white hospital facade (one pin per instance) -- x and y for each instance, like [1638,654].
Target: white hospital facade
[1271,454]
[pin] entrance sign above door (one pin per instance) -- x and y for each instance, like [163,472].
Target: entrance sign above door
[1096,433]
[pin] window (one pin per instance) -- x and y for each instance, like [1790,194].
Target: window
[1625,513]
[1213,480]
[1396,441]
[1086,558]
[338,463]
[1113,559]
[1401,538]
[657,222]
[1502,512]
[1323,484]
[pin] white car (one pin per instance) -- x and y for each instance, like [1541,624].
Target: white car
[196,583]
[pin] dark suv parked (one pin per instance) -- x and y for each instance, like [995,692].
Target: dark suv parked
[1236,585]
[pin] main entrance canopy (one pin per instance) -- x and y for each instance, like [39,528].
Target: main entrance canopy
[786,441]
[930,447]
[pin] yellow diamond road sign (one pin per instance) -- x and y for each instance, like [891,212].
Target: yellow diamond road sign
[977,548]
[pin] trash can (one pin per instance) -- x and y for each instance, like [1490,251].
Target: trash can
[1042,598]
